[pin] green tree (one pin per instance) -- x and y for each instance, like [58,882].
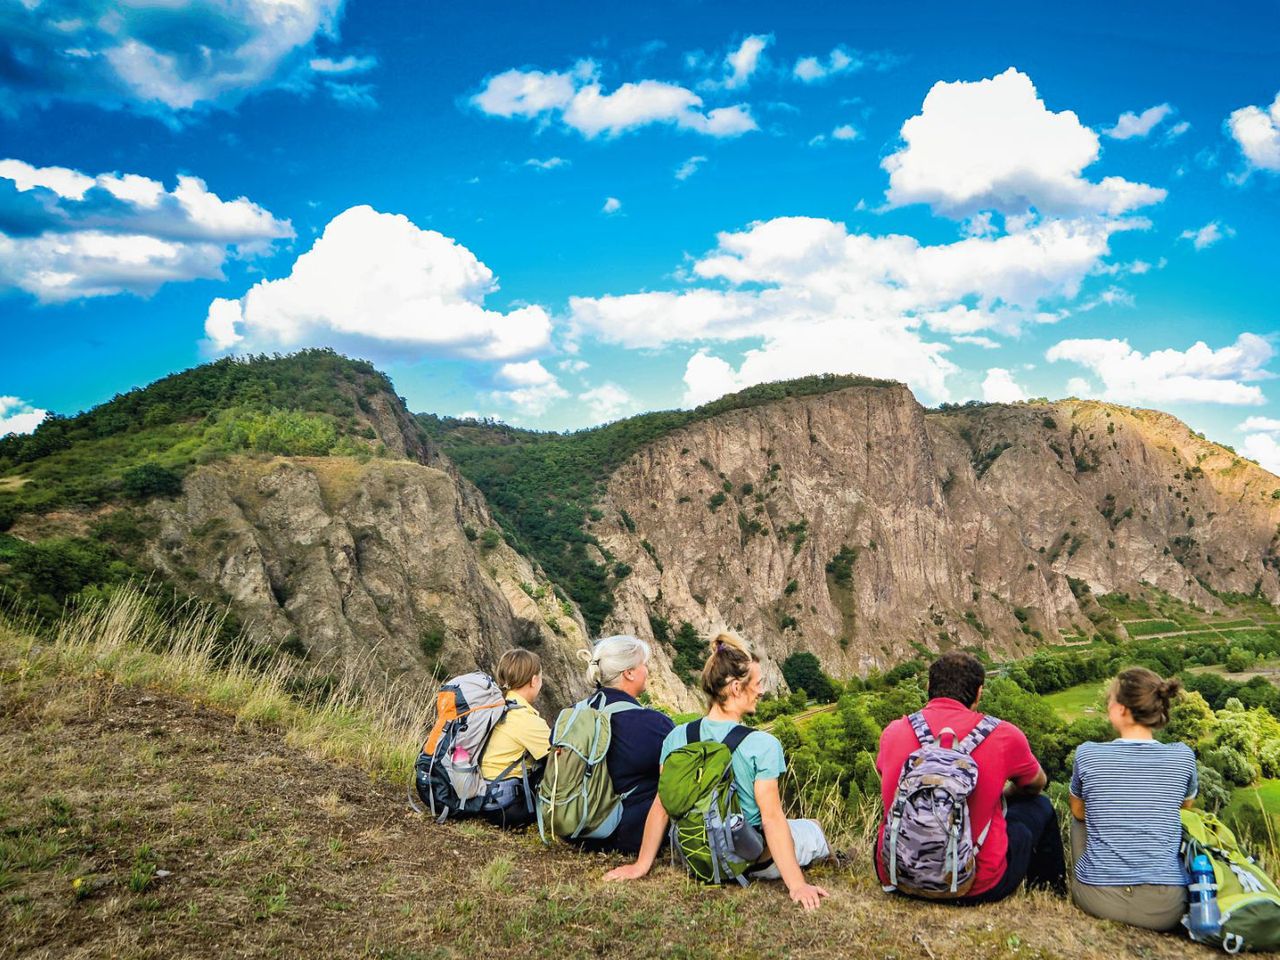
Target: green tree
[804,671]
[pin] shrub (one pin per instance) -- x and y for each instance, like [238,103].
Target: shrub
[151,480]
[803,671]
[1232,764]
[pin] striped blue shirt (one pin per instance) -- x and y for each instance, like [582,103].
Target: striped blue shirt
[1132,791]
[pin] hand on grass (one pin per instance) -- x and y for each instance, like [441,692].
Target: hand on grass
[809,895]
[632,871]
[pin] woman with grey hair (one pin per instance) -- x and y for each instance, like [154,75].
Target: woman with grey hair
[619,667]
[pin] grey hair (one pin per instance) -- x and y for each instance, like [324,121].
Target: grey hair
[610,657]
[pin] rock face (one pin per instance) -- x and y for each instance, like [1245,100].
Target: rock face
[864,529]
[370,563]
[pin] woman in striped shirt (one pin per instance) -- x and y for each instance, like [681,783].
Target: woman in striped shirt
[1125,797]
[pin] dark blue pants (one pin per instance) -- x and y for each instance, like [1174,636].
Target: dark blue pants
[1035,850]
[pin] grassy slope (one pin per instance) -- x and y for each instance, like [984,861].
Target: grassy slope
[281,831]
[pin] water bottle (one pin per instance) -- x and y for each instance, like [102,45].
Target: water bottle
[1204,919]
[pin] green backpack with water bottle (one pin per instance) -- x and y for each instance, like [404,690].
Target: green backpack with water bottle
[1248,900]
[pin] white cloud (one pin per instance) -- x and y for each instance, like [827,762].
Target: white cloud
[530,386]
[1132,124]
[579,101]
[377,283]
[168,57]
[993,145]
[1257,132]
[551,163]
[844,132]
[1177,130]
[819,298]
[689,167]
[1207,235]
[345,65]
[65,235]
[741,63]
[1196,375]
[1263,448]
[573,366]
[999,387]
[606,402]
[816,69]
[611,205]
[18,416]
[986,343]
[1260,425]
[352,94]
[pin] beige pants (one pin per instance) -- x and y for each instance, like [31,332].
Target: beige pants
[1149,905]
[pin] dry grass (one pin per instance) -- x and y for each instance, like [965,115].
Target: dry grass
[154,805]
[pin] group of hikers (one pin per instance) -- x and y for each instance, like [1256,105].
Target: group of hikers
[711,788]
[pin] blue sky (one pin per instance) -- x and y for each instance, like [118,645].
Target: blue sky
[557,214]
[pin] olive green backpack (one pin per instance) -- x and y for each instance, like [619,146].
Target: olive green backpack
[1248,900]
[708,831]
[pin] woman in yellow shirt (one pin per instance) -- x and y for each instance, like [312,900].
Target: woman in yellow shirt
[512,759]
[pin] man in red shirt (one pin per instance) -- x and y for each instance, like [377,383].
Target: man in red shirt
[1023,843]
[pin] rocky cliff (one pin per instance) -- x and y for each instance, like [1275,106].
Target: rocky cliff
[860,527]
[389,564]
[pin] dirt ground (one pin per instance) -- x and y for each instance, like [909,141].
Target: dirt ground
[137,824]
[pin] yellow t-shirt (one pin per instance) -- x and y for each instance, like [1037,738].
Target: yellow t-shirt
[521,731]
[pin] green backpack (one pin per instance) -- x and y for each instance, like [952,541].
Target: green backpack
[1248,900]
[576,799]
[708,830]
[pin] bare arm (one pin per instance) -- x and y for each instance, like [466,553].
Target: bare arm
[1077,807]
[655,825]
[1032,789]
[777,835]
[1188,803]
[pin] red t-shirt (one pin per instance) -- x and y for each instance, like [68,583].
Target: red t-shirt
[1004,755]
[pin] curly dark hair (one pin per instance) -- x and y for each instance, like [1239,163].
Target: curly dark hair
[957,675]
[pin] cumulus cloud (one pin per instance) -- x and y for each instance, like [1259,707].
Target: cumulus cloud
[819,298]
[611,205]
[1196,375]
[689,167]
[164,58]
[1260,424]
[994,145]
[1131,125]
[606,402]
[1262,442]
[813,69]
[66,235]
[377,283]
[1207,235]
[844,132]
[1265,449]
[18,416]
[578,100]
[986,343]
[999,387]
[741,63]
[529,386]
[1257,132]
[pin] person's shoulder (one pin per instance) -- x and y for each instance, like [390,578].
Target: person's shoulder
[1006,730]
[1180,751]
[762,741]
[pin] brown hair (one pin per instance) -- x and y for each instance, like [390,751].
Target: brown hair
[730,660]
[1147,695]
[517,668]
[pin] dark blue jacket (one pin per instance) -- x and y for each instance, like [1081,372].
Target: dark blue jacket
[633,765]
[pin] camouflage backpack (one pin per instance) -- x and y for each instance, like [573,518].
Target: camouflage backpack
[928,848]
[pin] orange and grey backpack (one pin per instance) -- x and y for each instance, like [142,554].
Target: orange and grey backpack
[447,777]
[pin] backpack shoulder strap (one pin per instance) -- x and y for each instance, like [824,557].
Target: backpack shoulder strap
[597,700]
[735,737]
[693,732]
[979,733]
[921,728]
[620,706]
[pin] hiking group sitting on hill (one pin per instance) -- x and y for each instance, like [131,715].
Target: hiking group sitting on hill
[966,819]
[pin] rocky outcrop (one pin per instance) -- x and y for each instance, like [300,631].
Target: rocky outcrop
[387,564]
[865,529]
